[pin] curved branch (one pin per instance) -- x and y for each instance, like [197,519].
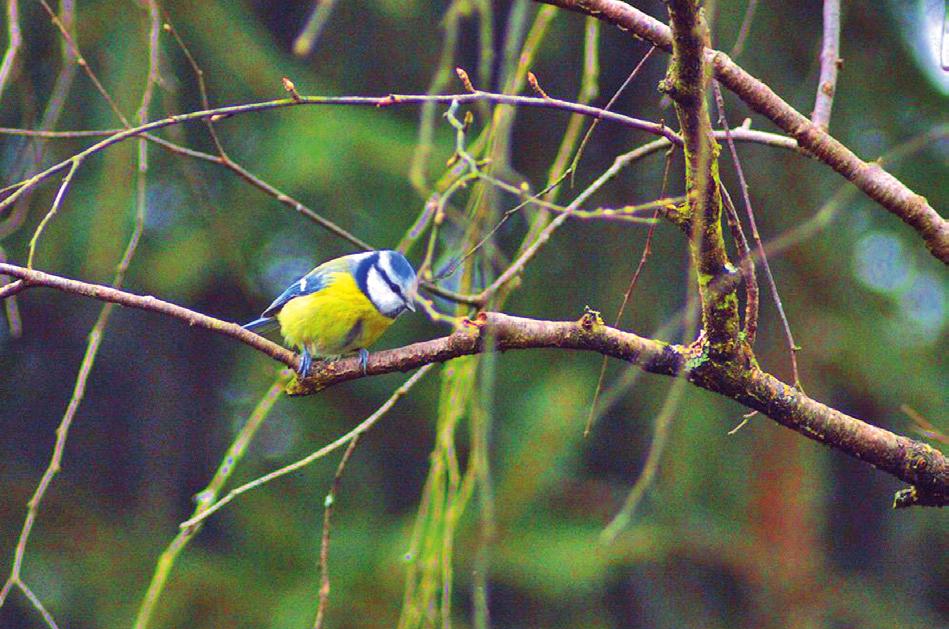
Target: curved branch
[100,292]
[14,191]
[878,184]
[918,464]
[14,41]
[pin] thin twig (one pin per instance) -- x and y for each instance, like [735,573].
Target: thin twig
[747,266]
[744,30]
[662,425]
[363,426]
[530,251]
[53,210]
[829,65]
[586,137]
[34,152]
[441,76]
[325,536]
[205,498]
[924,426]
[199,75]
[38,605]
[361,101]
[647,249]
[304,42]
[14,41]
[64,32]
[660,435]
[105,293]
[762,256]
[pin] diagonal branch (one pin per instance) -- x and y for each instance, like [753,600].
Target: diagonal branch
[147,302]
[14,41]
[918,464]
[875,182]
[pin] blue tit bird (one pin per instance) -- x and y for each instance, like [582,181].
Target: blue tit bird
[344,304]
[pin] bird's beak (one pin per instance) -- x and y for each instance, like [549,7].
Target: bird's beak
[410,302]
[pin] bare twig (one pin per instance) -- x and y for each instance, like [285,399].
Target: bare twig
[647,249]
[304,42]
[586,137]
[747,266]
[34,152]
[924,426]
[130,300]
[878,184]
[14,41]
[205,498]
[911,461]
[762,256]
[199,75]
[54,208]
[744,30]
[660,435]
[325,536]
[363,101]
[67,37]
[363,426]
[829,65]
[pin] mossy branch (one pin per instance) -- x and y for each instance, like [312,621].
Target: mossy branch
[923,467]
[686,83]
[871,178]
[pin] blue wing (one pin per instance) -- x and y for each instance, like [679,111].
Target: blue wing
[314,281]
[306,285]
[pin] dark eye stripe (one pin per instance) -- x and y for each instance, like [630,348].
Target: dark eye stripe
[388,280]
[362,271]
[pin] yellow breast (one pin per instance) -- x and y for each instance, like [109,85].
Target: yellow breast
[334,320]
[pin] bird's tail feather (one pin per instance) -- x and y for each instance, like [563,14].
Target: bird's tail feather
[262,325]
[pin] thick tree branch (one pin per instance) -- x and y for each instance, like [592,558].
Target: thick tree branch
[913,462]
[686,84]
[916,463]
[875,182]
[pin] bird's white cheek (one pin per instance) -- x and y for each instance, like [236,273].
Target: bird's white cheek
[383,297]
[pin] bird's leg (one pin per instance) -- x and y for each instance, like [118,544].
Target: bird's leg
[363,359]
[305,361]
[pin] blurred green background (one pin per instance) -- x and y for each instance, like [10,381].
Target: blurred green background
[758,529]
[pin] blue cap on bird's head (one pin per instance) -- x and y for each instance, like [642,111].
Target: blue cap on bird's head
[388,280]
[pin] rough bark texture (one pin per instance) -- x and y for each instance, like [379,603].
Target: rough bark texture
[686,83]
[874,181]
[916,463]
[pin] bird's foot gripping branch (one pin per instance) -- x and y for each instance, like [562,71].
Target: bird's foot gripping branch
[923,467]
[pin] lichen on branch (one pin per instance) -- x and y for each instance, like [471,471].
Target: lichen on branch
[916,463]
[686,84]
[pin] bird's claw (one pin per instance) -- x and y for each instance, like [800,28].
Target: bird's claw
[363,359]
[305,362]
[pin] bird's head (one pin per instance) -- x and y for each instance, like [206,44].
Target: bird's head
[391,283]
